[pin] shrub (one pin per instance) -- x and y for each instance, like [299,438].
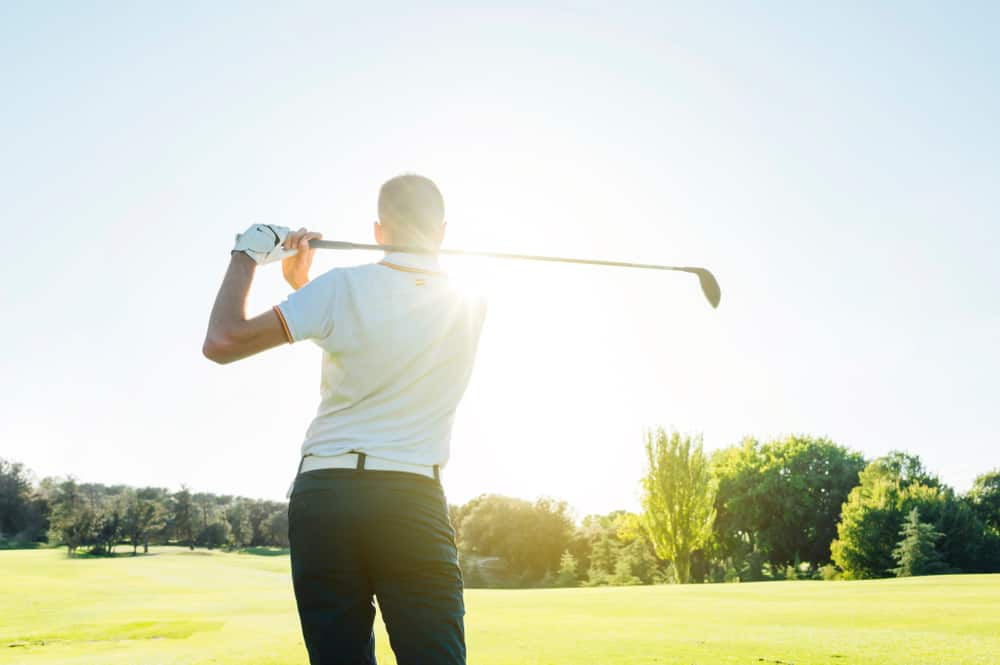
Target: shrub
[829,572]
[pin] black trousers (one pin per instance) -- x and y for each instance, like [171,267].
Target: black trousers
[359,534]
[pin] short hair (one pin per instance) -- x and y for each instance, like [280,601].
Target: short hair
[412,205]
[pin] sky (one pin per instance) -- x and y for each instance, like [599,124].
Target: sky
[834,165]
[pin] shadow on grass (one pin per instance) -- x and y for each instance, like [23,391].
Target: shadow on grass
[83,556]
[265,551]
[15,545]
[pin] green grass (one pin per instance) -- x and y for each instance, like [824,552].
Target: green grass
[176,606]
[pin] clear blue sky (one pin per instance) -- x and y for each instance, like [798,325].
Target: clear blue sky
[836,166]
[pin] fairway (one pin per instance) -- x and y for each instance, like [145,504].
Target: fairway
[176,606]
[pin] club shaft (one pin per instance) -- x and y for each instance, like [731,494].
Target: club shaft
[337,244]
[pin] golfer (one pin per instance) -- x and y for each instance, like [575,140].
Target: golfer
[367,514]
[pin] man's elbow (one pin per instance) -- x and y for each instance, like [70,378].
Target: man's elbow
[220,349]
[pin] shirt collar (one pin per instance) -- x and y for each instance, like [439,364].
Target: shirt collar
[416,261]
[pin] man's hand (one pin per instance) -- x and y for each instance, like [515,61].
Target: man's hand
[295,268]
[263,243]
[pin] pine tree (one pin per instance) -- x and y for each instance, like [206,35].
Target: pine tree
[916,553]
[567,575]
[623,574]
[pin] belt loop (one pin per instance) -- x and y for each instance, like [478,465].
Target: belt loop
[437,473]
[361,462]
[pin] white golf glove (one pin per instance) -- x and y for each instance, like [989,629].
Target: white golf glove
[262,243]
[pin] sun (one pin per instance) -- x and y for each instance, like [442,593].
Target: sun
[472,275]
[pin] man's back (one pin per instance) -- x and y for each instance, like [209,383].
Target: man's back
[399,342]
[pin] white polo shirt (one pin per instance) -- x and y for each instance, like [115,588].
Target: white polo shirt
[398,345]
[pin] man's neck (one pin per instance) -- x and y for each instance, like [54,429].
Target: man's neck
[428,261]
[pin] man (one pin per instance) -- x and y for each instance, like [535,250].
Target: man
[367,514]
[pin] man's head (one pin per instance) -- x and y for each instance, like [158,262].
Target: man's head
[410,212]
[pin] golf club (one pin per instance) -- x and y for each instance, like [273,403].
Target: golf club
[709,285]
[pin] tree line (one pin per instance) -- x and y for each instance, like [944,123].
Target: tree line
[797,507]
[99,518]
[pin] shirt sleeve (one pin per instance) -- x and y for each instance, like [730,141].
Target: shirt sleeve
[309,312]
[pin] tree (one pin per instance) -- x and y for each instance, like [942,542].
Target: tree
[204,505]
[964,544]
[160,528]
[530,537]
[594,535]
[72,522]
[877,508]
[805,483]
[678,498]
[638,550]
[567,575]
[738,471]
[109,525]
[551,528]
[869,523]
[604,555]
[782,498]
[277,528]
[140,519]
[908,469]
[985,499]
[106,515]
[740,516]
[258,515]
[183,516]
[15,499]
[916,553]
[623,574]
[457,514]
[238,517]
[214,535]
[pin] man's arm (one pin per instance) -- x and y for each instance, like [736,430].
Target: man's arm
[231,336]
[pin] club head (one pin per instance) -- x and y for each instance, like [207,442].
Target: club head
[709,285]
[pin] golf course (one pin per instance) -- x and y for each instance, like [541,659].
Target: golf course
[649,333]
[179,606]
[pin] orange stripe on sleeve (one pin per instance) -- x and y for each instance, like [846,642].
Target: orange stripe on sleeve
[284,324]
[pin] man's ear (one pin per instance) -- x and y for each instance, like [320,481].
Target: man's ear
[379,234]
